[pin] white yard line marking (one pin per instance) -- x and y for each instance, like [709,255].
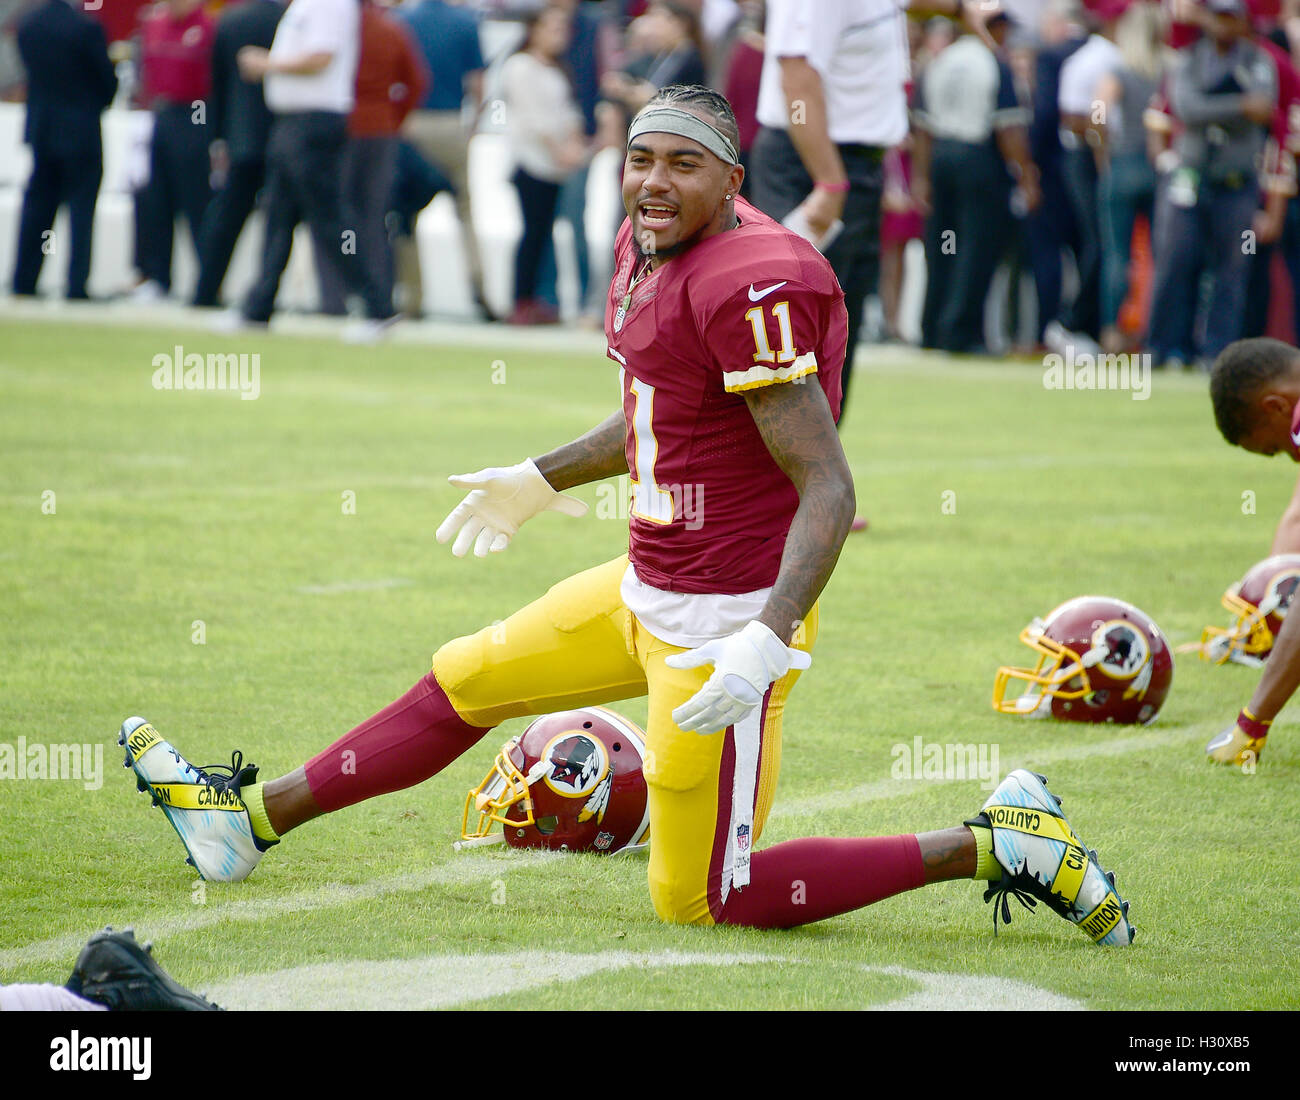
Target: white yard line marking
[472,869]
[882,789]
[438,981]
[448,981]
[959,992]
[157,926]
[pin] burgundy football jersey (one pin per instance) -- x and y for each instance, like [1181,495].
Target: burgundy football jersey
[753,306]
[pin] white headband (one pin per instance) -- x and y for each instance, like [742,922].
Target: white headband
[670,120]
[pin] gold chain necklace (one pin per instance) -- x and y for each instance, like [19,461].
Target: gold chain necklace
[626,303]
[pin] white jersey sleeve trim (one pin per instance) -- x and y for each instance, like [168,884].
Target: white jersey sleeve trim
[763,375]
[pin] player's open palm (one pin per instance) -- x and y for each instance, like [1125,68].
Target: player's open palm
[499,500]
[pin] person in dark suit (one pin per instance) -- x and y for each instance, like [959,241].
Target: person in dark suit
[240,123]
[70,81]
[1051,227]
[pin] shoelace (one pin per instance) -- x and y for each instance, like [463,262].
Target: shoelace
[219,780]
[998,893]
[1026,889]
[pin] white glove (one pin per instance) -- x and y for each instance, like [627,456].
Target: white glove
[500,499]
[745,665]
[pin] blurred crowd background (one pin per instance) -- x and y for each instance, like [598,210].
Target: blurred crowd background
[1016,176]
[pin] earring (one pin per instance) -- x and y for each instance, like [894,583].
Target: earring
[728,198]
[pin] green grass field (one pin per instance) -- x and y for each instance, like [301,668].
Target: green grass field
[179,517]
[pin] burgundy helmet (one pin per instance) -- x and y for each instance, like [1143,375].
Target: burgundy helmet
[572,780]
[1100,660]
[1259,601]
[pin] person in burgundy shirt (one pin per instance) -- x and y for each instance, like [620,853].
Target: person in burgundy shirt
[175,80]
[729,333]
[119,18]
[391,79]
[743,75]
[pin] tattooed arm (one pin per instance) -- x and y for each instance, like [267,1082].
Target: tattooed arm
[796,424]
[601,453]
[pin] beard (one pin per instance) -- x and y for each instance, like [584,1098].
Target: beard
[668,252]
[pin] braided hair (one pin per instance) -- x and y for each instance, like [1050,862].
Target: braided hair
[699,97]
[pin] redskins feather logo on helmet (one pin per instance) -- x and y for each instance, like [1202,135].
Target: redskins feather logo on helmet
[1259,603]
[1100,660]
[572,780]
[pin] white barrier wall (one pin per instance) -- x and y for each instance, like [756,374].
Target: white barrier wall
[446,281]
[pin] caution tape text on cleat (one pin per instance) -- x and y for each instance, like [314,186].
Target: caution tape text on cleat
[196,796]
[1033,822]
[1102,920]
[142,740]
[1069,875]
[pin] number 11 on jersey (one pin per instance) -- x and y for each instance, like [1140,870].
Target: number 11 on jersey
[649,502]
[763,350]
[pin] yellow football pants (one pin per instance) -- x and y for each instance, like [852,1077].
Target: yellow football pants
[579,645]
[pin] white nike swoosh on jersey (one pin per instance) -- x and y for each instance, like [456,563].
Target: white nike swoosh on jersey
[754,296]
